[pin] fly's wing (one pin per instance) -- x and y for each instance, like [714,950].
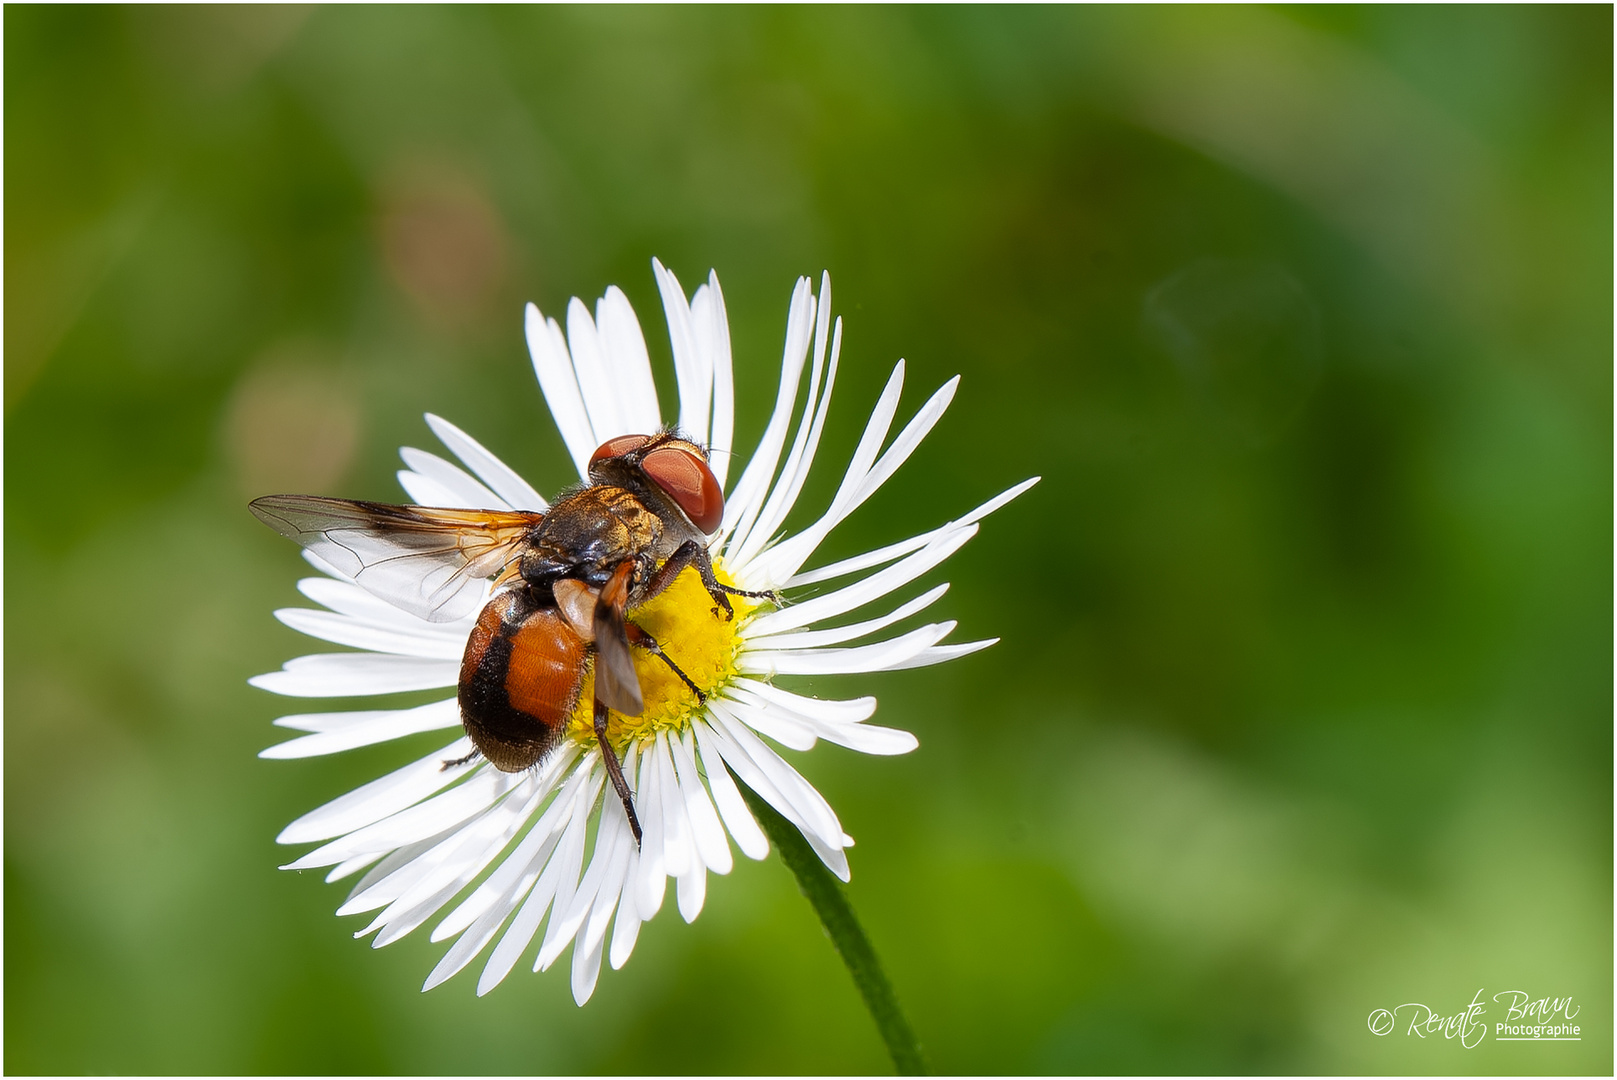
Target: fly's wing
[430,562]
[576,602]
[616,683]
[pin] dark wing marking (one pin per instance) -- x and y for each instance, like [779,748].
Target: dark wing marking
[616,683]
[430,562]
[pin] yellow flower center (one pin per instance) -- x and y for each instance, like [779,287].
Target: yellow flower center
[695,635]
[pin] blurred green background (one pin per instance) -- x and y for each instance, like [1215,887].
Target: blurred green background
[1303,706]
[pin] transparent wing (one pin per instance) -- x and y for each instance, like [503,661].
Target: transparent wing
[429,562]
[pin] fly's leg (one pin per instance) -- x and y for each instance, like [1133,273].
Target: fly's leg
[615,770]
[446,766]
[692,553]
[645,641]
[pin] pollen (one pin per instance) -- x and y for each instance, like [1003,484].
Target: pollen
[694,633]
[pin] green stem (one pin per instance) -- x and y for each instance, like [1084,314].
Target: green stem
[825,892]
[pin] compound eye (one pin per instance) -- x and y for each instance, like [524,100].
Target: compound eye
[684,475]
[617,447]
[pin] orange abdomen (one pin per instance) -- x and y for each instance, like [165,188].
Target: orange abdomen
[519,679]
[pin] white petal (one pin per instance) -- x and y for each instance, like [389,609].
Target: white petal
[756,779]
[516,492]
[425,491]
[938,654]
[732,807]
[784,728]
[652,881]
[397,637]
[448,869]
[338,721]
[611,887]
[592,938]
[522,928]
[626,929]
[422,886]
[375,726]
[692,891]
[628,366]
[705,361]
[796,549]
[841,722]
[863,591]
[516,875]
[346,598]
[834,858]
[757,524]
[509,884]
[356,674]
[880,656]
[834,635]
[705,827]
[586,970]
[566,922]
[448,810]
[396,921]
[904,547]
[678,849]
[394,859]
[830,711]
[916,430]
[482,929]
[712,328]
[485,837]
[352,866]
[871,739]
[352,602]
[692,369]
[570,857]
[469,493]
[554,366]
[594,377]
[380,798]
[612,837]
[801,456]
[744,503]
[560,871]
[783,566]
[794,796]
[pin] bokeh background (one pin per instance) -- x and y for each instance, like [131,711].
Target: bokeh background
[1303,706]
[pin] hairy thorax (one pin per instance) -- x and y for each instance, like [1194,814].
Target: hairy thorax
[586,535]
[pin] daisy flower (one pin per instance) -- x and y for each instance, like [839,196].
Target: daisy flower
[504,859]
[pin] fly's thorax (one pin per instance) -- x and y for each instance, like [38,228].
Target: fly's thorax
[588,533]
